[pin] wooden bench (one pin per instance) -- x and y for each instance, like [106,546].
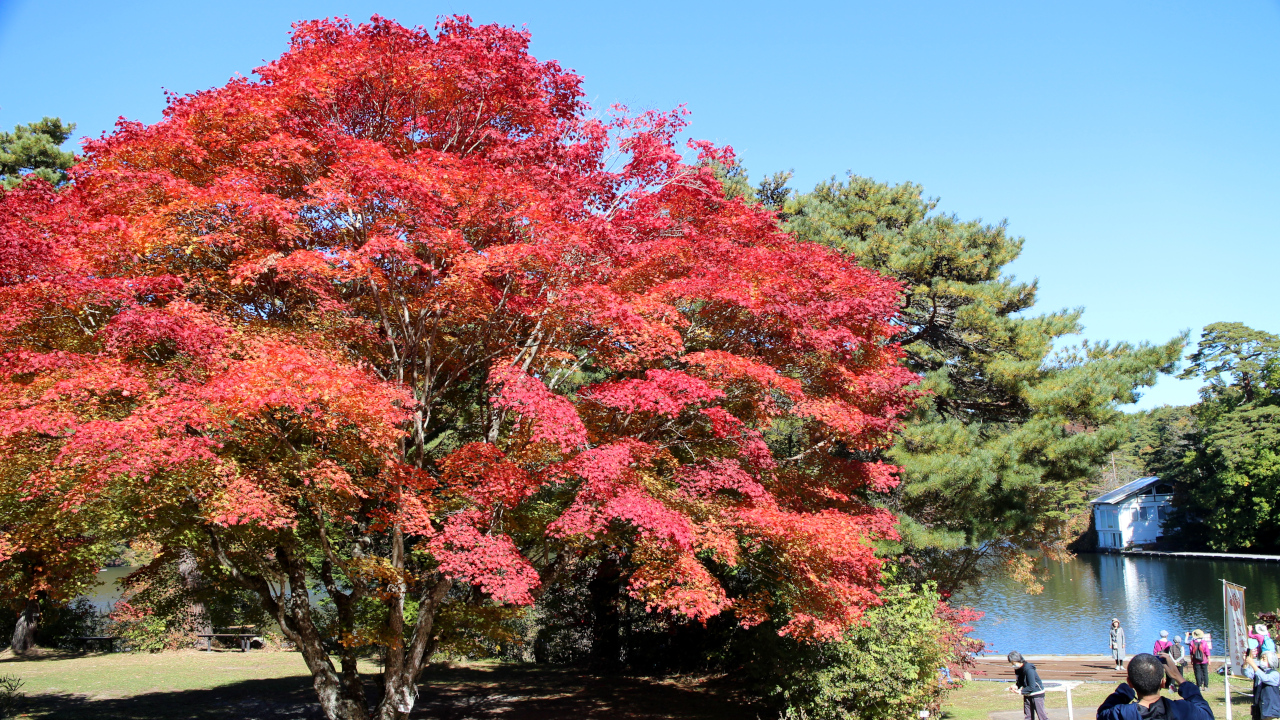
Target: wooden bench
[234,633]
[109,640]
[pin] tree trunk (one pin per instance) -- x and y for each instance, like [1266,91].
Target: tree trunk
[193,581]
[341,693]
[605,590]
[405,662]
[24,633]
[338,700]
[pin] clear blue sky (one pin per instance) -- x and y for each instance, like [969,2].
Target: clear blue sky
[1134,145]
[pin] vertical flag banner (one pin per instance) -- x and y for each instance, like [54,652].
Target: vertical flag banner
[1237,631]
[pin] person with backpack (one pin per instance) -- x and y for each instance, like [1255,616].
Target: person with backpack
[1266,685]
[1201,650]
[1162,645]
[1117,643]
[1140,698]
[1264,637]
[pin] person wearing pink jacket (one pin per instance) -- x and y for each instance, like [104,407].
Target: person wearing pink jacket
[1201,650]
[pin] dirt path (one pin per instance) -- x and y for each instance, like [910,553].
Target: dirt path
[1068,667]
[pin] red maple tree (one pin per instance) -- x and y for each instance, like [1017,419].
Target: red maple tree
[401,320]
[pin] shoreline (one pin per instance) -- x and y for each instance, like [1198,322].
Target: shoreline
[1069,656]
[1084,668]
[1195,555]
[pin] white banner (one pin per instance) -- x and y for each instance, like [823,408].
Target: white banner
[1237,630]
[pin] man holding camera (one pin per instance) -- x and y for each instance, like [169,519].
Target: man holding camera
[1140,698]
[1266,685]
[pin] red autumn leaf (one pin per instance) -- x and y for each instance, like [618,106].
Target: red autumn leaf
[386,319]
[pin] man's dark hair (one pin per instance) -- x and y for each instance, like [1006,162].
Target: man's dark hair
[1015,656]
[1145,674]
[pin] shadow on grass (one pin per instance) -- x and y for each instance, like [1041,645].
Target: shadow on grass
[447,693]
[44,654]
[532,692]
[274,698]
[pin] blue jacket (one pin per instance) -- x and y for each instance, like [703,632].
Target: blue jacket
[1120,705]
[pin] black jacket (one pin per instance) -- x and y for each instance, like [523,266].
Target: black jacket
[1028,679]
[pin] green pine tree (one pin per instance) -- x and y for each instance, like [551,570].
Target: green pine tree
[33,150]
[998,455]
[1226,471]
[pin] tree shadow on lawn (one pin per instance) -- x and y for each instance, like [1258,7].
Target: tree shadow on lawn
[539,692]
[447,693]
[290,697]
[42,654]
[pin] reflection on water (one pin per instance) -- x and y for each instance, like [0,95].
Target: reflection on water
[107,591]
[1148,594]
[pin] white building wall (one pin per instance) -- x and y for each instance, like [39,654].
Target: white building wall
[1106,521]
[1136,521]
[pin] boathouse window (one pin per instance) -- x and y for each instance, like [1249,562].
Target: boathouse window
[1142,513]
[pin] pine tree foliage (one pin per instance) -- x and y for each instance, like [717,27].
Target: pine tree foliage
[999,452]
[1157,439]
[33,150]
[1226,471]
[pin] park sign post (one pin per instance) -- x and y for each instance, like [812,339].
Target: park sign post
[1237,635]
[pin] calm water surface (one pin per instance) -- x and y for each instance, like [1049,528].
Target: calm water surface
[1148,594]
[1080,597]
[108,589]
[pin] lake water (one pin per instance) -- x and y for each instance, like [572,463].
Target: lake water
[108,589]
[1148,594]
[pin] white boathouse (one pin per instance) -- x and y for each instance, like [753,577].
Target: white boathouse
[1132,515]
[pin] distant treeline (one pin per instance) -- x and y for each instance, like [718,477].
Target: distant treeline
[1223,453]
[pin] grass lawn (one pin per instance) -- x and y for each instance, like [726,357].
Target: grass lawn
[976,700]
[225,685]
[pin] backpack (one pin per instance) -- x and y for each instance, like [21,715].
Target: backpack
[1197,652]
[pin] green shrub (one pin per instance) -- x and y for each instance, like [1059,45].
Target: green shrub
[141,630]
[60,624]
[10,696]
[887,669]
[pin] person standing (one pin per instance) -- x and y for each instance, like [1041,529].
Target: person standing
[1178,652]
[1163,644]
[1117,643]
[1264,635]
[1140,698]
[1201,650]
[1027,682]
[1266,685]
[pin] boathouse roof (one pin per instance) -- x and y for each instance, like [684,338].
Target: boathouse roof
[1124,492]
